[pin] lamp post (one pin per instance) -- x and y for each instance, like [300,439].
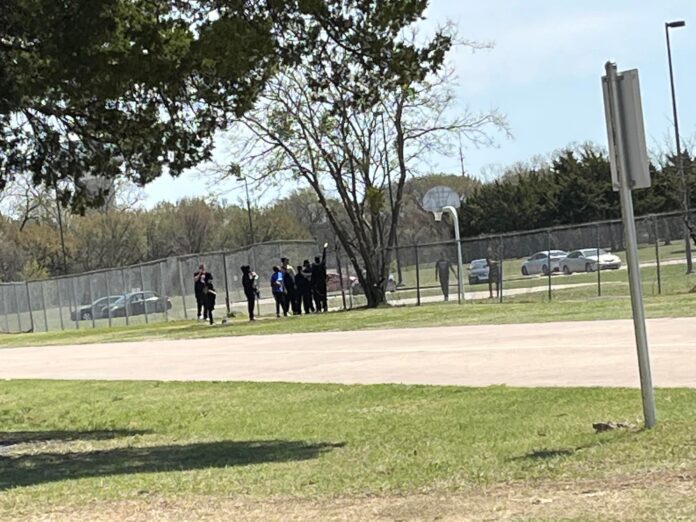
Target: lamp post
[251,223]
[680,159]
[391,199]
[460,270]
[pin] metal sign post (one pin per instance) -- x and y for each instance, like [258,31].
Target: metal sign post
[629,166]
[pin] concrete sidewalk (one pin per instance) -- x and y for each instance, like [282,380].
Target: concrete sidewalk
[597,353]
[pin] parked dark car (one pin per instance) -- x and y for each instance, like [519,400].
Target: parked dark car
[99,309]
[137,303]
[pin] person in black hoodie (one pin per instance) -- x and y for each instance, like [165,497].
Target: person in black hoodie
[251,291]
[200,279]
[209,296]
[291,291]
[319,282]
[306,271]
[301,289]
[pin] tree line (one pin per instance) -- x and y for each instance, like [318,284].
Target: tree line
[574,186]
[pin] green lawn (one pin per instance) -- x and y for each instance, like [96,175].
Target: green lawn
[103,450]
[579,304]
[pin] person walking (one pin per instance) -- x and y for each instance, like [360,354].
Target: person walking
[442,271]
[201,278]
[251,291]
[319,282]
[278,289]
[209,296]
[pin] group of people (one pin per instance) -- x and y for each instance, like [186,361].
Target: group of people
[293,290]
[305,287]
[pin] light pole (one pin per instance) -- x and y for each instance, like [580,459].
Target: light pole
[391,199]
[460,271]
[680,159]
[248,202]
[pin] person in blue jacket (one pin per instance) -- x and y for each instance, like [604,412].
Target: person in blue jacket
[278,289]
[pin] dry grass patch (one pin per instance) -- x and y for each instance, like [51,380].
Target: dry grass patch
[648,497]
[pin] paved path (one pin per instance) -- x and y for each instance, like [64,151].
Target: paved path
[550,354]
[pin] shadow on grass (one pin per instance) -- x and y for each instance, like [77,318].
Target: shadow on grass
[9,438]
[547,454]
[29,470]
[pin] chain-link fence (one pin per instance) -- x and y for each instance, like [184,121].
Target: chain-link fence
[579,263]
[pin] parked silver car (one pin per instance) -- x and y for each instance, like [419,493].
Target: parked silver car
[585,260]
[542,262]
[478,271]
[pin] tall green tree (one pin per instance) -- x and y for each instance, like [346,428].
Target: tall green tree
[129,87]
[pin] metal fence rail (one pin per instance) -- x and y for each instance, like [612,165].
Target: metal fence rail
[162,290]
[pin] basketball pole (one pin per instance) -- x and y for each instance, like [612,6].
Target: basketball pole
[460,268]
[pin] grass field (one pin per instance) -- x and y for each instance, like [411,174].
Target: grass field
[519,309]
[140,451]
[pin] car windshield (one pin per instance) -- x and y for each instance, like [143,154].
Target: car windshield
[478,263]
[556,253]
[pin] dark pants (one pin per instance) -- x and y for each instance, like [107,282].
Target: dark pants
[280,303]
[200,305]
[444,285]
[290,300]
[251,303]
[307,301]
[209,312]
[297,302]
[320,299]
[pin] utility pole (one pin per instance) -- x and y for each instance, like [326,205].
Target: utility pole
[391,199]
[60,225]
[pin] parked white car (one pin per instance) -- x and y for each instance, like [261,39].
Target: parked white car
[478,271]
[542,262]
[585,260]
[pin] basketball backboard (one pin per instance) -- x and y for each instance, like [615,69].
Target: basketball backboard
[438,198]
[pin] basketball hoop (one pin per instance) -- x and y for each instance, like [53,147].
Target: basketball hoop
[438,200]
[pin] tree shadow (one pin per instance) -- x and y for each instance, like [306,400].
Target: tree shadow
[546,454]
[9,438]
[29,470]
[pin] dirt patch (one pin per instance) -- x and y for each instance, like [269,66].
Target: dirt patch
[649,496]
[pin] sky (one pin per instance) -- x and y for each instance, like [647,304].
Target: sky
[543,72]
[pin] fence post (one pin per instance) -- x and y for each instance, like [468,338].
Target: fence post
[500,268]
[599,265]
[418,294]
[108,296]
[657,254]
[350,290]
[163,293]
[227,286]
[60,305]
[125,295]
[43,304]
[91,301]
[142,289]
[4,304]
[548,258]
[31,313]
[74,296]
[181,286]
[19,315]
[340,277]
